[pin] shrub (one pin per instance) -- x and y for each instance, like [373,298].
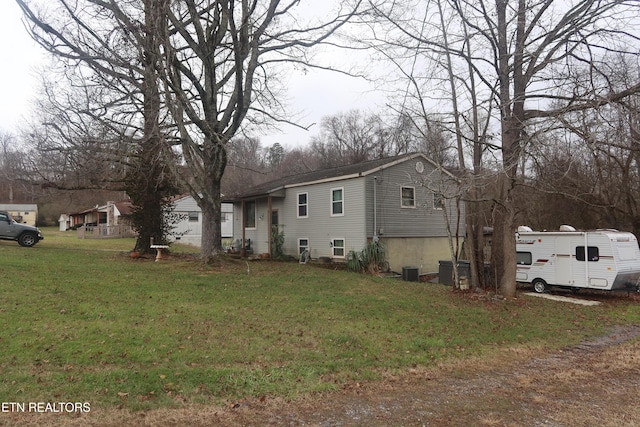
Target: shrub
[372,259]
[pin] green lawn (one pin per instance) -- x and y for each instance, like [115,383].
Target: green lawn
[81,321]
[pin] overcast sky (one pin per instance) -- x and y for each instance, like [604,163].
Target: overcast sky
[20,56]
[313,95]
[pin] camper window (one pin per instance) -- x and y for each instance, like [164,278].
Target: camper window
[523,258]
[593,254]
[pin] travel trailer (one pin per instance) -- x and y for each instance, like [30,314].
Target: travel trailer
[599,259]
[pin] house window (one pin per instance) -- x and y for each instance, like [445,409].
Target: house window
[337,246]
[337,201]
[250,214]
[438,201]
[193,216]
[593,253]
[303,205]
[523,258]
[303,245]
[408,197]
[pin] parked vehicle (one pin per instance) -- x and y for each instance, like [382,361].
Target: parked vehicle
[25,235]
[600,259]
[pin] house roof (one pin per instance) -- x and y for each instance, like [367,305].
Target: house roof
[327,175]
[18,207]
[124,207]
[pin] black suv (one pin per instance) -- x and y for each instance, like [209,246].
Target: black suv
[24,234]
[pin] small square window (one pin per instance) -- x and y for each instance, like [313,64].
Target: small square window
[337,246]
[303,245]
[523,258]
[438,201]
[593,253]
[193,216]
[408,196]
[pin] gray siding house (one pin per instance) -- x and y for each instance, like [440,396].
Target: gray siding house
[404,201]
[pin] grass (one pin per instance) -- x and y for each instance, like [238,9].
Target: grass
[81,321]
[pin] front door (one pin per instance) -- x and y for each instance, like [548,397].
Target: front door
[275,246]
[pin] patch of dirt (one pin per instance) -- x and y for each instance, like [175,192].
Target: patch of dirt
[594,383]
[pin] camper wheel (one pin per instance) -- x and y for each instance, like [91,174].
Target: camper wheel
[539,285]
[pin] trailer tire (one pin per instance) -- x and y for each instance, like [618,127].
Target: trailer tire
[539,286]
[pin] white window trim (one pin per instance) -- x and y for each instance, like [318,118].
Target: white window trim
[333,247]
[402,206]
[331,201]
[437,195]
[193,216]
[255,216]
[298,205]
[308,246]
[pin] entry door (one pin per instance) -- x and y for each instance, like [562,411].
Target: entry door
[564,263]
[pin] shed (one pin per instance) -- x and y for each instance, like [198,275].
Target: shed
[22,213]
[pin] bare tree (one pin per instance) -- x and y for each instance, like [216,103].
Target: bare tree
[109,53]
[14,170]
[246,165]
[356,136]
[220,59]
[590,177]
[520,56]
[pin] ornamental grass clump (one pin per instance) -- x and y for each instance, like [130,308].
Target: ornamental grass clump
[372,259]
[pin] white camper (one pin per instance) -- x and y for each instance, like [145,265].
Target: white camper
[600,259]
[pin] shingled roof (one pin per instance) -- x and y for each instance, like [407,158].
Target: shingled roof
[331,174]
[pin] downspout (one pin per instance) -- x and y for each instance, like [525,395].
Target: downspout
[269,224]
[375,209]
[243,251]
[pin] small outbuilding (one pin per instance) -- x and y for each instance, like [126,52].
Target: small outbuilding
[22,213]
[64,222]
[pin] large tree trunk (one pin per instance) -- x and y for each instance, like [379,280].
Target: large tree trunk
[211,202]
[211,231]
[147,183]
[512,123]
[474,251]
[503,250]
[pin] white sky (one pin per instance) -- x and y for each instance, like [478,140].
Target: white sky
[20,56]
[312,96]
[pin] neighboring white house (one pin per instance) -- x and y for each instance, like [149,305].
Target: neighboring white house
[106,221]
[22,213]
[401,201]
[189,226]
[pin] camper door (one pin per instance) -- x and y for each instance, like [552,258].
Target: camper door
[564,261]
